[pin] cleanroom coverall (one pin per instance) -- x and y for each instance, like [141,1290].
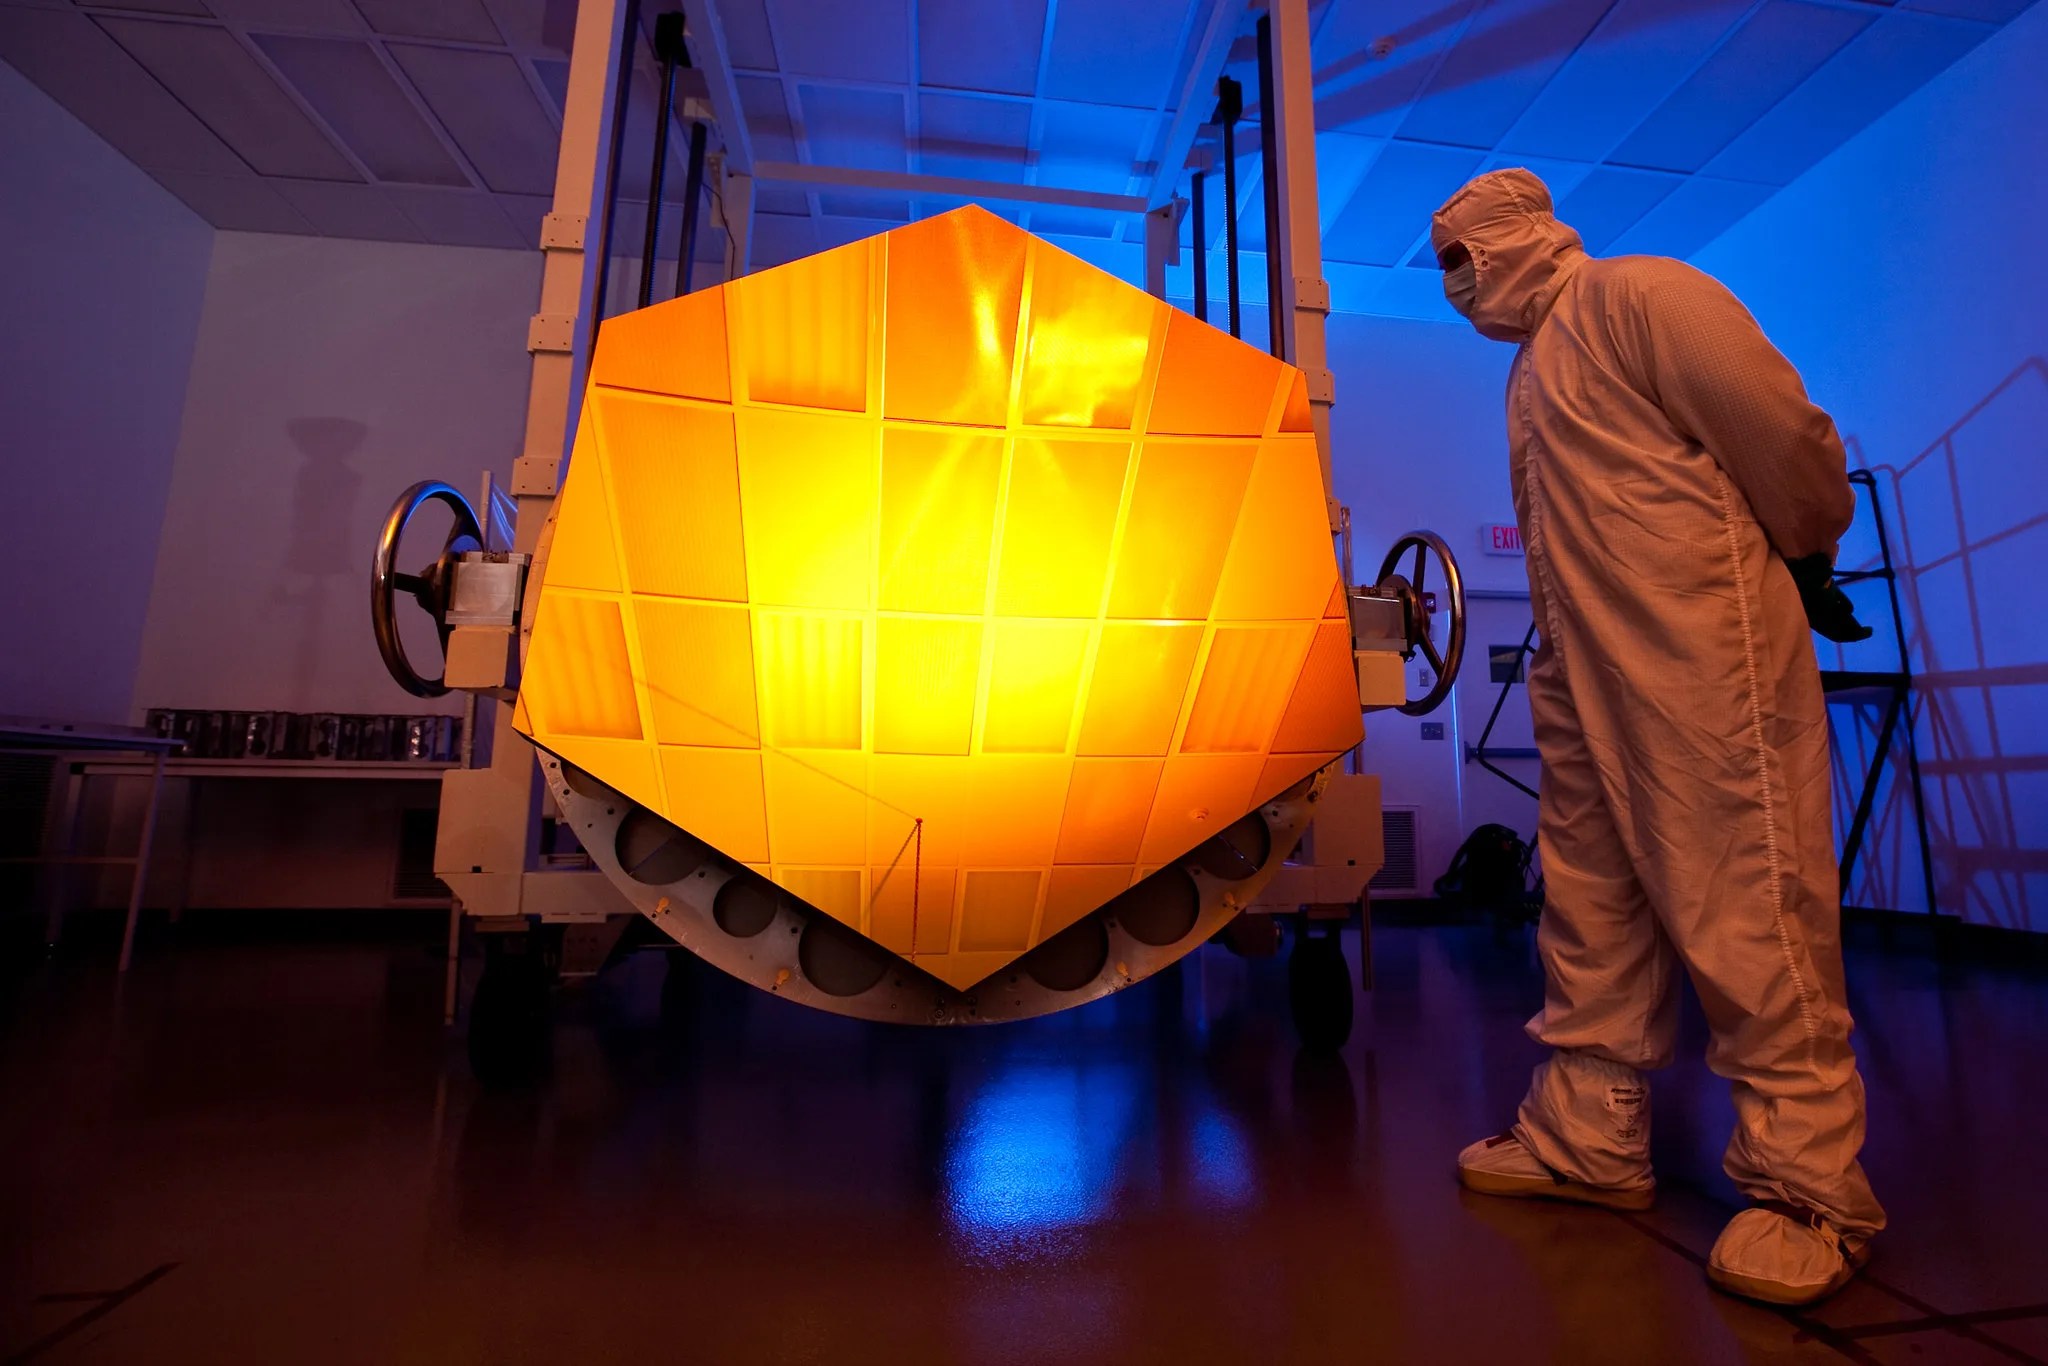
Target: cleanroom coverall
[1666,462]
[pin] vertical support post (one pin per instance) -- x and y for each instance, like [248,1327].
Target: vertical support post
[1162,246]
[1269,186]
[1229,104]
[668,47]
[629,44]
[1201,233]
[738,197]
[491,815]
[693,199]
[1305,295]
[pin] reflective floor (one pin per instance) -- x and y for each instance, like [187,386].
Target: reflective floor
[273,1153]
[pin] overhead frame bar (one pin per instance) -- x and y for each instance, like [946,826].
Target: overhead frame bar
[951,187]
[711,57]
[1196,93]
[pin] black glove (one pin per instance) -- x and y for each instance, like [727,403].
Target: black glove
[1828,609]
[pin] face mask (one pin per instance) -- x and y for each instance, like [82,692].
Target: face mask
[1461,287]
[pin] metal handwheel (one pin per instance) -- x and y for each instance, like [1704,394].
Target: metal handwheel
[430,588]
[1418,608]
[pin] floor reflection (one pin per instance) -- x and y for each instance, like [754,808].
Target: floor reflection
[1160,1176]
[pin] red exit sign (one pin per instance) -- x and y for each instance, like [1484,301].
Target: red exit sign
[1501,540]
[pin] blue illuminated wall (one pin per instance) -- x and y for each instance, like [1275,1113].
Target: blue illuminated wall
[1905,276]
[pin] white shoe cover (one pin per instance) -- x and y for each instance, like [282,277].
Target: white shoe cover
[1768,1256]
[1505,1166]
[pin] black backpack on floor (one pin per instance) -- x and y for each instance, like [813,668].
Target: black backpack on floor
[1490,872]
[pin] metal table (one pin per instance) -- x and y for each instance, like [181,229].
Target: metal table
[73,745]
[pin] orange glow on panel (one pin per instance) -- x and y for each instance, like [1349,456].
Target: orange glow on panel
[963,275]
[1061,514]
[1183,511]
[938,517]
[1085,358]
[828,590]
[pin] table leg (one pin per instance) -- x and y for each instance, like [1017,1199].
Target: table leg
[60,846]
[454,983]
[156,789]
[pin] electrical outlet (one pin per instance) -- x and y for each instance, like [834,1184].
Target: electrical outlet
[1432,730]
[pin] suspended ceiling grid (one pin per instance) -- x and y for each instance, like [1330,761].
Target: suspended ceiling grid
[1658,122]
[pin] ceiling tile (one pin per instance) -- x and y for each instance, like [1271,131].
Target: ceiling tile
[337,210]
[980,44]
[214,76]
[881,208]
[1780,46]
[772,198]
[462,21]
[87,72]
[1091,147]
[456,218]
[778,239]
[975,138]
[353,92]
[1505,57]
[1885,63]
[193,7]
[1372,56]
[523,22]
[1116,53]
[243,203]
[711,237]
[767,115]
[484,102]
[748,42]
[1694,214]
[846,127]
[1609,202]
[332,17]
[1640,52]
[1394,201]
[1562,177]
[1992,11]
[867,41]
[1342,161]
[1048,220]
[527,210]
[554,78]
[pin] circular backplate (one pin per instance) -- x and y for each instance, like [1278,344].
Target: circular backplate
[738,921]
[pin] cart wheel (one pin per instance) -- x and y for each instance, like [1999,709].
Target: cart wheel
[1319,990]
[509,1021]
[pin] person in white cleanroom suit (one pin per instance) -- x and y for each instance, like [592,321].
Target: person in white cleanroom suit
[1680,500]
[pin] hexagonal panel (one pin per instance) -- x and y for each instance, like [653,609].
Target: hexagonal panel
[944,579]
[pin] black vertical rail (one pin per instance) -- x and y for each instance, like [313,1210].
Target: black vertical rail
[693,194]
[668,46]
[1230,104]
[1269,178]
[628,45]
[1891,582]
[1201,231]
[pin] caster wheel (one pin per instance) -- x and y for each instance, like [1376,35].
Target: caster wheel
[1319,991]
[509,1022]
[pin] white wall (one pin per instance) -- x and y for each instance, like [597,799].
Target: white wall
[1904,276]
[1419,440]
[329,376]
[101,296]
